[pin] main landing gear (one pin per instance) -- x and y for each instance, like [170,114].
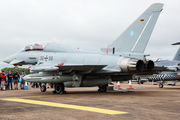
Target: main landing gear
[59,89]
[43,88]
[102,88]
[161,85]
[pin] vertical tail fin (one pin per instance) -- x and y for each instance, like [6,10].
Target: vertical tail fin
[177,55]
[136,36]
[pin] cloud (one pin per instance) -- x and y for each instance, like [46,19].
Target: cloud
[88,24]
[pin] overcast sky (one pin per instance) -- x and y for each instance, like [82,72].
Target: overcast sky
[88,24]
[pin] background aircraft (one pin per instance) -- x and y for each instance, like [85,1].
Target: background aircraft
[169,78]
[170,74]
[171,65]
[72,67]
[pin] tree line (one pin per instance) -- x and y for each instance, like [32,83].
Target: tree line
[18,69]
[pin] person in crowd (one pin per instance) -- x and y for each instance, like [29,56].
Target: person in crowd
[37,85]
[48,85]
[10,76]
[3,76]
[0,77]
[15,79]
[33,85]
[6,80]
[23,81]
[51,85]
[20,75]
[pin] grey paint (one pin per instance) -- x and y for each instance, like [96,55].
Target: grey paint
[83,24]
[81,64]
[140,32]
[177,55]
[172,65]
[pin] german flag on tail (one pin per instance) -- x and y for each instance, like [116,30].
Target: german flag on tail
[142,20]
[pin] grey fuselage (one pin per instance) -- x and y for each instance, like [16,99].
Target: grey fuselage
[56,63]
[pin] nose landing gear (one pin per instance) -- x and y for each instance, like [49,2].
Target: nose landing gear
[102,88]
[161,84]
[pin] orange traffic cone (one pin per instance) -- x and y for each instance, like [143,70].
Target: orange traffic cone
[130,86]
[118,84]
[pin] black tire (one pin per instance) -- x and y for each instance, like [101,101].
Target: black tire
[102,88]
[59,88]
[43,88]
[160,85]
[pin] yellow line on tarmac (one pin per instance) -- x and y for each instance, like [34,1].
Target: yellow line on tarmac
[28,97]
[77,107]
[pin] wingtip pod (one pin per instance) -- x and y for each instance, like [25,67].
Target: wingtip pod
[156,6]
[177,57]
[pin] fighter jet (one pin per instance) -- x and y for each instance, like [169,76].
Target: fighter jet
[66,66]
[171,65]
[171,74]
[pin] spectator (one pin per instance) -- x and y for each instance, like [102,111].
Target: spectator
[48,85]
[15,80]
[10,80]
[51,85]
[6,80]
[40,84]
[20,75]
[35,85]
[0,77]
[22,81]
[3,76]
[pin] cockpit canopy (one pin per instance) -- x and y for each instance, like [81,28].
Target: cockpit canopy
[159,59]
[48,47]
[34,47]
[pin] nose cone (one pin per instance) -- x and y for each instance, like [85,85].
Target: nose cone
[8,60]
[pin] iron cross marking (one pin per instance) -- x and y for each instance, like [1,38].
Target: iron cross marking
[46,58]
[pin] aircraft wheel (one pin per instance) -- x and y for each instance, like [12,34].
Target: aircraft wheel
[173,84]
[59,88]
[43,88]
[160,85]
[102,88]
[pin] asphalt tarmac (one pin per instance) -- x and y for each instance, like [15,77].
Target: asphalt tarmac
[146,102]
